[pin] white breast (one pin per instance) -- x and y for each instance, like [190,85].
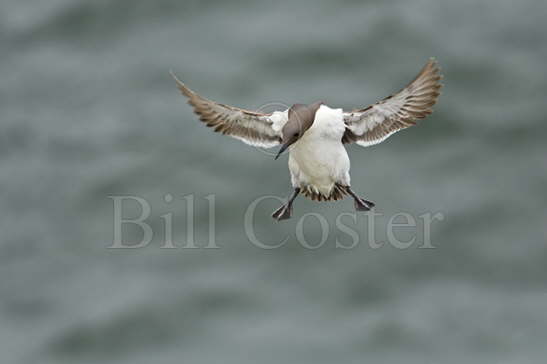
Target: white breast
[319,159]
[328,124]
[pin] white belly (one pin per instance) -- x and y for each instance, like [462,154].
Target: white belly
[319,160]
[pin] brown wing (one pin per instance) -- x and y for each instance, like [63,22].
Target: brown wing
[254,128]
[376,123]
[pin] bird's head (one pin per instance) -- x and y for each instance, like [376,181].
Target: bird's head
[301,118]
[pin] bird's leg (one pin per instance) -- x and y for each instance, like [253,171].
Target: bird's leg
[285,211]
[360,204]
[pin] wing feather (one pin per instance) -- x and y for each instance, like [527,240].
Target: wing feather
[376,123]
[254,128]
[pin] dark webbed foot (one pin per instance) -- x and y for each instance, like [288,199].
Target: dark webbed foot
[363,205]
[360,203]
[285,211]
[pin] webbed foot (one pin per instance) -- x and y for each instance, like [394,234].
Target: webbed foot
[363,205]
[283,213]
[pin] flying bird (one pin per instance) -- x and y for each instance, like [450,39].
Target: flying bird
[315,134]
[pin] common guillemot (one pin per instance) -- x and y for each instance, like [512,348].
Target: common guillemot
[315,134]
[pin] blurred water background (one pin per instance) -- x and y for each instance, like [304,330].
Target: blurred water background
[88,110]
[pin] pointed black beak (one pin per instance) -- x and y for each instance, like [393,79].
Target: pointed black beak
[281,150]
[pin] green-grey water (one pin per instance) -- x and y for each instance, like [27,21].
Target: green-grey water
[88,110]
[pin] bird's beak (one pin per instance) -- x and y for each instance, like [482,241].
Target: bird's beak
[282,149]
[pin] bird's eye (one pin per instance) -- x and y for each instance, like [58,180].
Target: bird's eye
[296,134]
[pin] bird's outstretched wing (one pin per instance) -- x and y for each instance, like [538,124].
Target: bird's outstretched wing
[254,128]
[374,124]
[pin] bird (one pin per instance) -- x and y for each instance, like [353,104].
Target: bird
[316,134]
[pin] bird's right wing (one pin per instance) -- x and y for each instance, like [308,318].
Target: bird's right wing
[254,128]
[377,122]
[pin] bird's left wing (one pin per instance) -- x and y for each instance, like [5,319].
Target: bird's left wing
[254,128]
[374,124]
